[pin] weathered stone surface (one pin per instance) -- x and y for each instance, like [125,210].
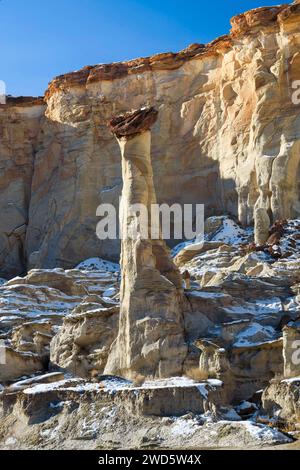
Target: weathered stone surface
[83,344]
[34,308]
[189,252]
[226,135]
[151,329]
[243,369]
[18,364]
[19,128]
[261,226]
[282,399]
[239,322]
[291,345]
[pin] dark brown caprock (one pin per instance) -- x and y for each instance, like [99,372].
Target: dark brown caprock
[133,122]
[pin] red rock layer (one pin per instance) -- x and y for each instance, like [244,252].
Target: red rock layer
[245,23]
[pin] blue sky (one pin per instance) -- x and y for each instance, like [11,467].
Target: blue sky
[40,39]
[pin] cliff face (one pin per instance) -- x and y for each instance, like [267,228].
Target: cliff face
[19,126]
[227,136]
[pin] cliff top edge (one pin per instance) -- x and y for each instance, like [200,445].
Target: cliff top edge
[242,25]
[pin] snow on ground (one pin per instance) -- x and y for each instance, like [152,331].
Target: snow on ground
[112,384]
[231,415]
[207,295]
[196,243]
[288,243]
[110,292]
[21,300]
[2,281]
[185,427]
[265,434]
[259,307]
[72,385]
[230,233]
[225,433]
[255,334]
[245,405]
[179,382]
[35,380]
[98,264]
[292,380]
[118,383]
[169,382]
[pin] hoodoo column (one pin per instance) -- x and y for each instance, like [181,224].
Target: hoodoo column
[151,335]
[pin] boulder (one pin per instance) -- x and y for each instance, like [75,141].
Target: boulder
[83,343]
[291,349]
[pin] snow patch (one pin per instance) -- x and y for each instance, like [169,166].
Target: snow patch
[265,434]
[230,233]
[109,292]
[184,427]
[245,405]
[66,384]
[98,264]
[207,295]
[10,441]
[291,380]
[255,334]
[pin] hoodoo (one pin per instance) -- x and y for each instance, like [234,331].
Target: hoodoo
[151,336]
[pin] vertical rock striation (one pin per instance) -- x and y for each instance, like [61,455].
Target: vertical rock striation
[151,336]
[19,129]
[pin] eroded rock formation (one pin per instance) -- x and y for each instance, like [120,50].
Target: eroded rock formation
[227,136]
[151,328]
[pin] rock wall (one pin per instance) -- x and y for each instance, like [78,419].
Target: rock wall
[19,127]
[227,136]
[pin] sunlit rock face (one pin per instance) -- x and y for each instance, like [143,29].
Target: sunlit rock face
[227,136]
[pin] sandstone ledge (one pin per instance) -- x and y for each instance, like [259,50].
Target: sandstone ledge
[23,101]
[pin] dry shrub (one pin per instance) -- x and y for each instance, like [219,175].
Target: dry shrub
[197,374]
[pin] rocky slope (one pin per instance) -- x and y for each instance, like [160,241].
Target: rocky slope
[236,334]
[227,133]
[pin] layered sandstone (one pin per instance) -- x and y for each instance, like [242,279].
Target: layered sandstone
[227,136]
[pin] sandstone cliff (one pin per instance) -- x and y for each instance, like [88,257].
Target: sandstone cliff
[19,127]
[227,136]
